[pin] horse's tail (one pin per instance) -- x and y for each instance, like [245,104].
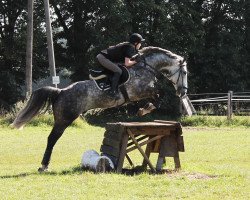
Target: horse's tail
[39,99]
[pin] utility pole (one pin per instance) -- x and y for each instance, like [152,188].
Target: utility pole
[29,49]
[55,79]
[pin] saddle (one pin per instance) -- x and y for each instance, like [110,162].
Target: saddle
[102,77]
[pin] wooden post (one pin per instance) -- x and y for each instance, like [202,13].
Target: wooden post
[177,161]
[229,105]
[50,40]
[29,50]
[122,152]
[147,152]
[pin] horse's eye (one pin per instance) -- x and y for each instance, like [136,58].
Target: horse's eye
[184,72]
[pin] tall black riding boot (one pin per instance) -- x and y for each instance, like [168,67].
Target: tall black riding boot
[114,85]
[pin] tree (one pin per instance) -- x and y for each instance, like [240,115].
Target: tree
[13,31]
[87,27]
[246,6]
[220,60]
[213,36]
[10,59]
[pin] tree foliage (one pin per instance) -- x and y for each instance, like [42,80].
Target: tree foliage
[214,37]
[13,18]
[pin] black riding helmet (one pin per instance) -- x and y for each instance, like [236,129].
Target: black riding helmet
[136,38]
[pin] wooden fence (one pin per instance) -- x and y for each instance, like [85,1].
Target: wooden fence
[231,100]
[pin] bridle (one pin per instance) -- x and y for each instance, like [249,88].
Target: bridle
[181,74]
[157,73]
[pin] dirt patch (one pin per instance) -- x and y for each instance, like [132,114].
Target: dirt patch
[190,176]
[193,176]
[171,173]
[204,128]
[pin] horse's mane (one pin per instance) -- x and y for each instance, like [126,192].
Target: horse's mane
[151,50]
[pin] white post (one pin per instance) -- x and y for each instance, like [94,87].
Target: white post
[50,41]
[29,49]
[229,105]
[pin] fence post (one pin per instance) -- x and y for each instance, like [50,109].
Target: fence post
[229,105]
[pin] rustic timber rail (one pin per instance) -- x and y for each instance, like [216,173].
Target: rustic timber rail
[162,137]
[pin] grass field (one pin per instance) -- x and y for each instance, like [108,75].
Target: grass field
[216,165]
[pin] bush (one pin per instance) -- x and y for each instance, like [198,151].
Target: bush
[216,121]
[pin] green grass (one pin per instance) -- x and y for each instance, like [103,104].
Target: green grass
[195,120]
[215,165]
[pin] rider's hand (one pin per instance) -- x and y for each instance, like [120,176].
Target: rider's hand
[136,57]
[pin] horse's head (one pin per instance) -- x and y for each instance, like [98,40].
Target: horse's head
[172,66]
[177,74]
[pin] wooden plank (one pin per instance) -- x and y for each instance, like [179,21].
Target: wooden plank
[167,122]
[145,124]
[129,160]
[143,143]
[180,143]
[147,152]
[177,124]
[122,152]
[141,151]
[177,161]
[151,130]
[156,147]
[136,136]
[138,139]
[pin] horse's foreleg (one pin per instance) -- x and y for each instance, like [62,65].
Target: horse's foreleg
[148,108]
[55,134]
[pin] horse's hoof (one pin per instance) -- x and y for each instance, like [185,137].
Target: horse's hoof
[42,169]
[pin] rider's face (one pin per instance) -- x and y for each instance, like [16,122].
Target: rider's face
[138,46]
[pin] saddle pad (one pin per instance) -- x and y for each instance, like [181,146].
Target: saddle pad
[104,83]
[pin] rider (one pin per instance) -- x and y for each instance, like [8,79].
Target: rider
[120,53]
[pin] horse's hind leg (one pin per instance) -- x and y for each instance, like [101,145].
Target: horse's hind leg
[55,134]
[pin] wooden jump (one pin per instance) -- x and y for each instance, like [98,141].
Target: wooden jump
[162,137]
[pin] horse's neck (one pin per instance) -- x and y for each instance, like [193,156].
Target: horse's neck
[159,62]
[152,61]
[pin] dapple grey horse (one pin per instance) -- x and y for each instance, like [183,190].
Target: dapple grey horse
[68,103]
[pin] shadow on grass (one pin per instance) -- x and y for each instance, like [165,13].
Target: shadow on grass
[79,170]
[74,170]
[22,175]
